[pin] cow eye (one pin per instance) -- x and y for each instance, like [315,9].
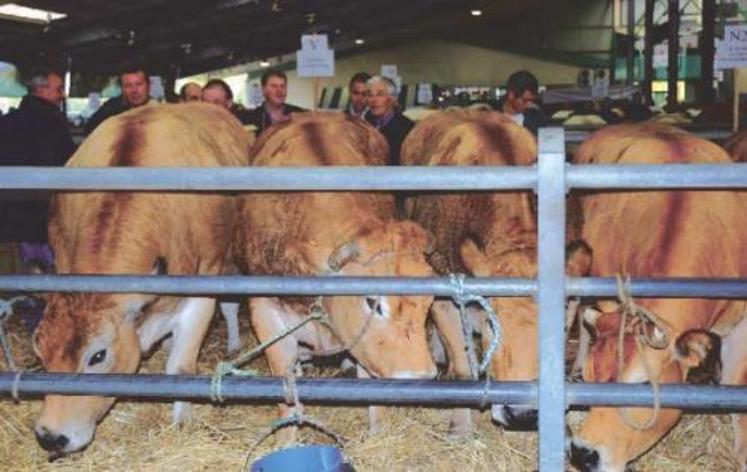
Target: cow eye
[97,358]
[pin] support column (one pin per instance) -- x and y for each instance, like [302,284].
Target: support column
[648,52]
[674,48]
[707,51]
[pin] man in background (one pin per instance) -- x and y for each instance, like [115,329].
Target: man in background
[274,109]
[520,101]
[384,114]
[190,92]
[36,134]
[135,84]
[358,102]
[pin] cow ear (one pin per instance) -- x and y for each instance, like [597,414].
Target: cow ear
[699,352]
[474,259]
[303,258]
[578,258]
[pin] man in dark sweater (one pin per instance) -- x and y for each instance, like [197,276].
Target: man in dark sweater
[384,114]
[274,109]
[135,85]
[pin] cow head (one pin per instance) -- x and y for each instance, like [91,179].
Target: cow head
[85,334]
[387,333]
[608,440]
[517,357]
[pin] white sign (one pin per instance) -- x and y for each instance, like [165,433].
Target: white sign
[389,71]
[661,55]
[156,88]
[425,94]
[315,59]
[732,51]
[254,96]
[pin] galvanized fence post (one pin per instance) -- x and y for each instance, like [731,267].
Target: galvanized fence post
[551,298]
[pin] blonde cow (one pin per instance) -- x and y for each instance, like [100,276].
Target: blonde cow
[659,234]
[135,233]
[334,234]
[485,234]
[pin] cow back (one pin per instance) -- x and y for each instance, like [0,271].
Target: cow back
[125,232]
[663,233]
[271,221]
[495,221]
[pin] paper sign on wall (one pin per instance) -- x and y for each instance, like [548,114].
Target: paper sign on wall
[389,71]
[425,94]
[315,59]
[732,51]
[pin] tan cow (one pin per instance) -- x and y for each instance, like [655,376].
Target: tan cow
[334,233]
[487,234]
[659,234]
[135,233]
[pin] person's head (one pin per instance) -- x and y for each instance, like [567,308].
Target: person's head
[382,95]
[47,85]
[274,87]
[217,92]
[190,92]
[135,85]
[522,91]
[357,88]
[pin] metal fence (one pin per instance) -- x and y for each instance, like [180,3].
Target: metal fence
[551,178]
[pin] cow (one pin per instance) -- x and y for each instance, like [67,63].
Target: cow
[331,234]
[485,234]
[736,146]
[135,233]
[659,234]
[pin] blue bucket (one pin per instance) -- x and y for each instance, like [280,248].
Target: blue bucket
[303,459]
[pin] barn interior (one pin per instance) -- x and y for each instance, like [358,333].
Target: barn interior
[446,53]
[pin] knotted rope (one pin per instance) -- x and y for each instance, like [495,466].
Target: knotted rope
[640,317]
[462,300]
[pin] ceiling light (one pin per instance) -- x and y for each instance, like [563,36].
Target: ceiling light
[475,12]
[359,41]
[264,63]
[15,12]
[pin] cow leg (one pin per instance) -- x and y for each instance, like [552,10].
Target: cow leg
[448,321]
[268,319]
[375,413]
[190,326]
[734,365]
[230,311]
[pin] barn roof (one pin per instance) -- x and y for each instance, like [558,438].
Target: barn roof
[193,36]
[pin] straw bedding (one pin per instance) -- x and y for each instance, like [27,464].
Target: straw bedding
[138,436]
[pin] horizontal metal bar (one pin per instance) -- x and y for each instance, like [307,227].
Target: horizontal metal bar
[673,287]
[327,391]
[264,285]
[269,179]
[439,286]
[579,136]
[660,176]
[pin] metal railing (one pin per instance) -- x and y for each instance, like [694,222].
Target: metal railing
[551,179]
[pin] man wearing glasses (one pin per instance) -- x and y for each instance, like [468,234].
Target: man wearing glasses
[384,114]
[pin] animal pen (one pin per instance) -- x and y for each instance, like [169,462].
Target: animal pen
[551,178]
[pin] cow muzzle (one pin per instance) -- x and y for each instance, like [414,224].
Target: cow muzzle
[583,458]
[515,418]
[50,441]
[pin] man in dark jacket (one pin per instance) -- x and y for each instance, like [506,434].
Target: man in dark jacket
[385,116]
[135,85]
[274,109]
[36,134]
[520,101]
